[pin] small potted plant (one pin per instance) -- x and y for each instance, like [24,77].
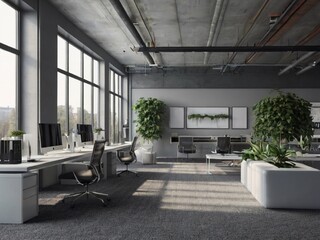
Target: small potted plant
[97,133]
[17,134]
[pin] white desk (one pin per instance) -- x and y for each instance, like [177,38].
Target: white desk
[19,184]
[217,156]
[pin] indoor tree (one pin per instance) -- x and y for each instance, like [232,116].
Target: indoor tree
[150,115]
[281,118]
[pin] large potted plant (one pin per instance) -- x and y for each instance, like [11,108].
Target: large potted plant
[280,119]
[284,117]
[150,115]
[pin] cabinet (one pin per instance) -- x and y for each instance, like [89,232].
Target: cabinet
[19,197]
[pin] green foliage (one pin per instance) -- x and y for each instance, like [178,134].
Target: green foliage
[98,130]
[276,154]
[257,151]
[285,116]
[212,117]
[304,143]
[279,155]
[150,113]
[16,133]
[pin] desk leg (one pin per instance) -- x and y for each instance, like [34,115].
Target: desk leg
[207,165]
[208,162]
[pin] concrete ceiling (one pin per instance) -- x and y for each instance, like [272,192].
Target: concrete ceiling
[201,23]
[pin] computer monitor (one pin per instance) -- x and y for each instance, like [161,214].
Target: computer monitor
[86,133]
[50,137]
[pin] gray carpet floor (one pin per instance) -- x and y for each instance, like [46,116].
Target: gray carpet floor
[173,199]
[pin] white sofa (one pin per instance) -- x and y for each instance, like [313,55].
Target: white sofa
[274,187]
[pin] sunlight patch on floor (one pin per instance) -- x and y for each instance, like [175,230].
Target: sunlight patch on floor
[51,201]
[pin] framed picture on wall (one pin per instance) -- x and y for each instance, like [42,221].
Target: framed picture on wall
[239,117]
[315,113]
[208,117]
[176,117]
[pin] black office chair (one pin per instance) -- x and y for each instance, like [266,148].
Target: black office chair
[186,146]
[127,157]
[223,145]
[91,175]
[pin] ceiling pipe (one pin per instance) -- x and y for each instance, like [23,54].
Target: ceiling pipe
[157,56]
[253,22]
[305,48]
[310,66]
[216,22]
[127,21]
[305,40]
[295,63]
[291,15]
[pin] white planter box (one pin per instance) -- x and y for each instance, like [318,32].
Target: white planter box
[149,158]
[282,187]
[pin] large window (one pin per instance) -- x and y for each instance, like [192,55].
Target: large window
[116,101]
[9,56]
[78,87]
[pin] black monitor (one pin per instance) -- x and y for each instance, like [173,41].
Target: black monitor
[85,132]
[50,137]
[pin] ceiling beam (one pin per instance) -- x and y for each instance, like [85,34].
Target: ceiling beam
[305,48]
[127,21]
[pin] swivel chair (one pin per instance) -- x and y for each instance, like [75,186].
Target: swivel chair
[127,157]
[186,146]
[91,175]
[223,145]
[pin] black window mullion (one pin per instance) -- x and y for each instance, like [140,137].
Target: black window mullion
[92,95]
[18,73]
[67,90]
[82,89]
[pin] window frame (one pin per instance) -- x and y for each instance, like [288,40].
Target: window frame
[114,93]
[82,81]
[17,52]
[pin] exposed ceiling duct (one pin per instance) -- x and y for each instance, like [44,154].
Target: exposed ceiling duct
[310,66]
[295,63]
[216,22]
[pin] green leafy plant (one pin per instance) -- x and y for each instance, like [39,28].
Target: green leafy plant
[257,151]
[304,143]
[282,118]
[279,155]
[285,116]
[16,133]
[98,130]
[276,154]
[150,115]
[211,117]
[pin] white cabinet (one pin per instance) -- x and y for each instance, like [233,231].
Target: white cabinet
[19,197]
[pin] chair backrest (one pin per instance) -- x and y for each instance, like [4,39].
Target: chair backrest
[223,145]
[185,141]
[133,145]
[97,152]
